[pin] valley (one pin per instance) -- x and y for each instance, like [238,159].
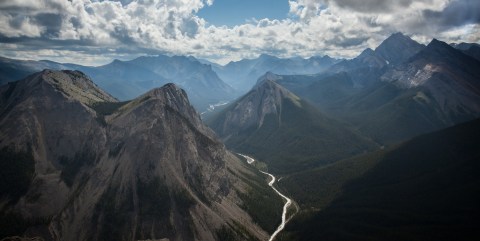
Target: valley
[287,204]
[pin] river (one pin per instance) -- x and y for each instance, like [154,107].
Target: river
[285,206]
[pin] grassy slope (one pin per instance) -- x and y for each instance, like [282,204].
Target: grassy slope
[425,189]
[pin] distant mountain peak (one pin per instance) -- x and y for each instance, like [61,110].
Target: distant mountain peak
[398,48]
[268,76]
[366,52]
[437,43]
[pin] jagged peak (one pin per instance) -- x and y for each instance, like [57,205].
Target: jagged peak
[170,95]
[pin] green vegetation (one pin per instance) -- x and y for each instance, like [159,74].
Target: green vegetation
[183,202]
[113,215]
[316,188]
[424,189]
[155,209]
[13,224]
[72,166]
[11,88]
[235,232]
[17,169]
[226,234]
[115,149]
[261,202]
[299,139]
[154,198]
[106,108]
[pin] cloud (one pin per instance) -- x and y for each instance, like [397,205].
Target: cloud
[373,6]
[97,30]
[456,13]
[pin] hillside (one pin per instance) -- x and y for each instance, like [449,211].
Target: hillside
[284,131]
[423,189]
[435,88]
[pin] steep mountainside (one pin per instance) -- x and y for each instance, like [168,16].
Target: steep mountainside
[77,165]
[366,68]
[424,189]
[436,88]
[281,129]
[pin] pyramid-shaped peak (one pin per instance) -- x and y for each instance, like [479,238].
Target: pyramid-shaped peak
[366,53]
[398,48]
[268,76]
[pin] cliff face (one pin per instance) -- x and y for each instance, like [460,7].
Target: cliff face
[108,170]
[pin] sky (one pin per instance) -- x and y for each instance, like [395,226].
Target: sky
[94,32]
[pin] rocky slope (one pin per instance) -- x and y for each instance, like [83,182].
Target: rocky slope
[283,130]
[97,169]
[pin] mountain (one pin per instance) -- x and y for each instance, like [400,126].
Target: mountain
[284,131]
[398,48]
[436,88]
[367,67]
[136,76]
[13,69]
[423,189]
[242,74]
[472,49]
[127,79]
[78,165]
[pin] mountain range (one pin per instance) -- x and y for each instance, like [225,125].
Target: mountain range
[379,147]
[432,89]
[79,165]
[128,79]
[243,74]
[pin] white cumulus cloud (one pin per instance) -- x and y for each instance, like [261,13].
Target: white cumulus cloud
[98,30]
